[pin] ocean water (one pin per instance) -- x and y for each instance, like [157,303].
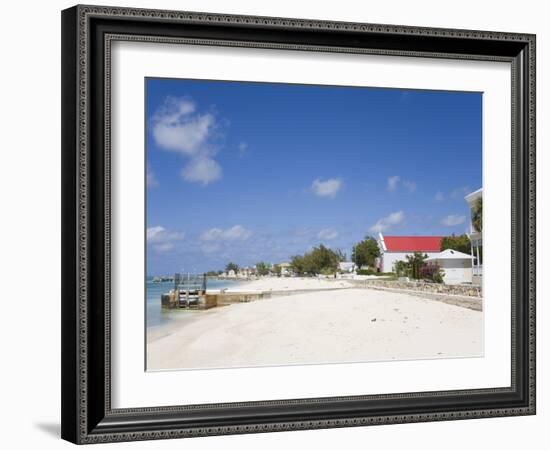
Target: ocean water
[156,315]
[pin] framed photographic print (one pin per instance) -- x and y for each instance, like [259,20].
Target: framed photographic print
[277,224]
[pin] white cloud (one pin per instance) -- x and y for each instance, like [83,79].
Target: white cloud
[164,247]
[176,126]
[161,239]
[235,233]
[453,219]
[393,182]
[439,196]
[328,188]
[390,220]
[202,170]
[188,138]
[161,234]
[327,234]
[409,185]
[243,147]
[151,178]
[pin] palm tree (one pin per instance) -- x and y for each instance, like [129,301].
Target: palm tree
[477,215]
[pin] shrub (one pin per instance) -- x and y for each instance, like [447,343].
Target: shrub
[431,272]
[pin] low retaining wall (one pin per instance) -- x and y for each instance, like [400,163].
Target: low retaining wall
[464,296]
[475,303]
[420,286]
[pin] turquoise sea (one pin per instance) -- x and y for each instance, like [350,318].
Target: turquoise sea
[155,315]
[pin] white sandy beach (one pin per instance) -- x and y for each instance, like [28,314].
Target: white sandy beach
[349,325]
[290,284]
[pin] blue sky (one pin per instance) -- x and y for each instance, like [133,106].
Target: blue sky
[250,172]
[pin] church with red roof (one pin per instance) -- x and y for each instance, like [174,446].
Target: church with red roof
[396,248]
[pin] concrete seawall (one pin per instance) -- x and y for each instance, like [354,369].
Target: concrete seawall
[224,298]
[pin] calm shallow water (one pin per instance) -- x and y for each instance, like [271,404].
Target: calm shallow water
[158,316]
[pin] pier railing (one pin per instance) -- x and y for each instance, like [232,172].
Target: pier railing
[189,287]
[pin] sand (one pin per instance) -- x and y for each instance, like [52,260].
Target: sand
[290,284]
[349,325]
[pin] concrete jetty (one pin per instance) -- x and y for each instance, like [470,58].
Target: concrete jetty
[209,300]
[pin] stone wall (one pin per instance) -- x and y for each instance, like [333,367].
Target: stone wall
[422,286]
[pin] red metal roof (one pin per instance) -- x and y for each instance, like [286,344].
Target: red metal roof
[413,243]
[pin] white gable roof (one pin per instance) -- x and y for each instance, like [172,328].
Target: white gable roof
[449,254]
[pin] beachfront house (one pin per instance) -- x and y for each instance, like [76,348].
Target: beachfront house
[456,266]
[246,272]
[476,238]
[396,248]
[286,269]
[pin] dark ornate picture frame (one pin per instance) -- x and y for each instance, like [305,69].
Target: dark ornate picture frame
[87,34]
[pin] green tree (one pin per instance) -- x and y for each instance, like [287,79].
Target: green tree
[276,269]
[298,264]
[340,255]
[263,268]
[365,252]
[232,266]
[477,215]
[320,259]
[459,243]
[415,263]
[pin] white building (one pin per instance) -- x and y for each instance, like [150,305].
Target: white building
[245,272]
[396,248]
[286,269]
[457,266]
[476,239]
[347,267]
